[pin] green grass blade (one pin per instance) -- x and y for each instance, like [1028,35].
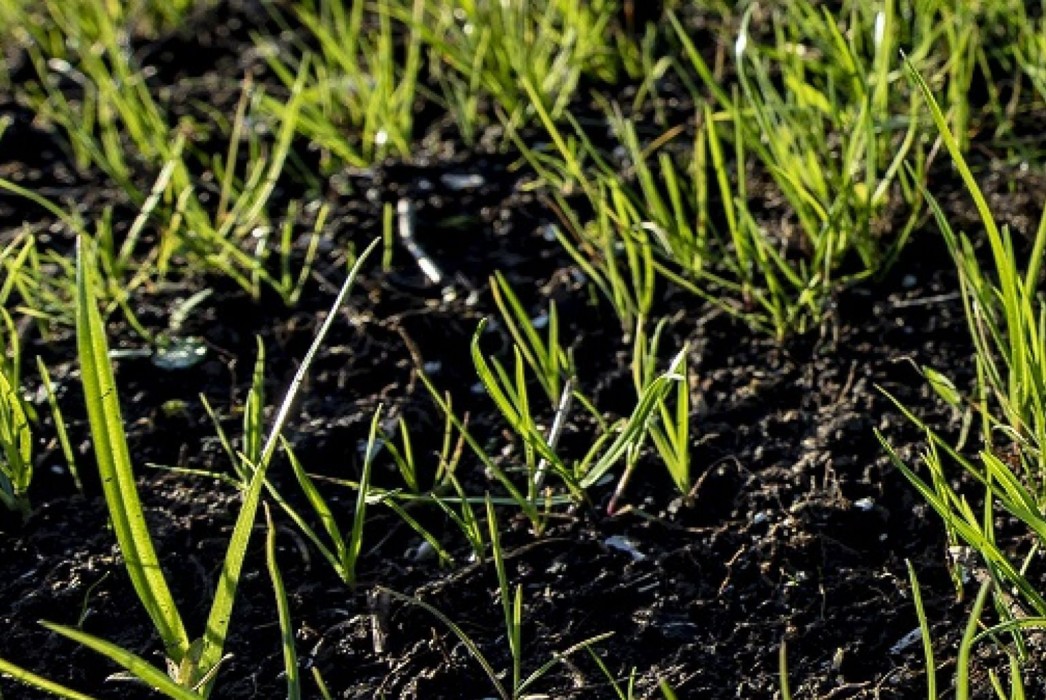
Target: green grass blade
[225,595]
[562,657]
[114,465]
[290,655]
[59,424]
[1008,280]
[924,628]
[511,606]
[355,543]
[962,663]
[134,664]
[19,674]
[782,670]
[336,556]
[15,446]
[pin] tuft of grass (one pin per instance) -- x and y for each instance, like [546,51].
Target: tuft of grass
[358,99]
[113,121]
[1006,318]
[670,427]
[525,56]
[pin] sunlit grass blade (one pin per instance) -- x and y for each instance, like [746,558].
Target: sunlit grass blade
[29,678]
[511,599]
[782,672]
[355,542]
[225,595]
[134,664]
[924,628]
[441,552]
[962,662]
[16,465]
[561,657]
[114,464]
[336,553]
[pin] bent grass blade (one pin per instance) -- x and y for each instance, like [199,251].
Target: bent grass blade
[29,678]
[136,665]
[473,649]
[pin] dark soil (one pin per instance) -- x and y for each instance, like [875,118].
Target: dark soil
[797,529]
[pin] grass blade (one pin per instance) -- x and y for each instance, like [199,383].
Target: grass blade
[136,665]
[924,628]
[225,595]
[962,673]
[32,680]
[114,465]
[290,655]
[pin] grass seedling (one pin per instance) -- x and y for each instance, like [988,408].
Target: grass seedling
[342,552]
[118,481]
[510,396]
[192,666]
[670,429]
[545,356]
[339,548]
[511,600]
[633,431]
[16,458]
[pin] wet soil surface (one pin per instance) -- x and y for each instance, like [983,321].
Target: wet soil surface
[797,529]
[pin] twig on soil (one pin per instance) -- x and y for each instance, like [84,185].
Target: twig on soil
[566,400]
[927,301]
[405,217]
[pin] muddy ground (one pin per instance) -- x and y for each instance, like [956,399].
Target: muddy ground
[798,527]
